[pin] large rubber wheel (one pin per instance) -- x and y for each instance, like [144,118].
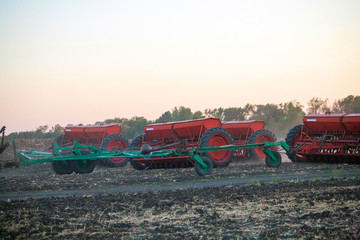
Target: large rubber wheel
[135,145]
[202,171]
[62,167]
[217,137]
[82,166]
[260,136]
[115,142]
[136,142]
[291,139]
[271,163]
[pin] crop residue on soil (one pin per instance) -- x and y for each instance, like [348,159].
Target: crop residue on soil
[324,209]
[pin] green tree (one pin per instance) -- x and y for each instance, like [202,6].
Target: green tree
[350,104]
[293,112]
[42,129]
[273,115]
[181,113]
[268,113]
[177,114]
[133,127]
[234,114]
[216,113]
[198,114]
[165,117]
[57,129]
[318,106]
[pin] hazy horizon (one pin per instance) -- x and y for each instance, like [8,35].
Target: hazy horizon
[304,108]
[81,62]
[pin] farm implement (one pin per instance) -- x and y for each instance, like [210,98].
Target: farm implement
[199,143]
[198,134]
[104,136]
[332,138]
[81,158]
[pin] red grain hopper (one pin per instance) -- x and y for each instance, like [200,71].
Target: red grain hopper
[105,136]
[190,130]
[91,134]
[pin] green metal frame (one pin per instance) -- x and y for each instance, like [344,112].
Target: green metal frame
[93,153]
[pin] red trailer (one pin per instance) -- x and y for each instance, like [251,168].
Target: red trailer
[105,136]
[326,138]
[199,132]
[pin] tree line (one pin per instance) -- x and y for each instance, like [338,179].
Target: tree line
[279,118]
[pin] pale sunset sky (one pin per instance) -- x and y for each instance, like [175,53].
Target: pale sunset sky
[86,61]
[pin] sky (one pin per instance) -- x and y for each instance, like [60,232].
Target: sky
[84,61]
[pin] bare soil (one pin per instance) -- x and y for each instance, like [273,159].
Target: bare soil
[325,209]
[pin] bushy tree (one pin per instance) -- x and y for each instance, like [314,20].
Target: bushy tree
[198,114]
[178,114]
[133,127]
[130,127]
[57,129]
[350,104]
[181,113]
[165,117]
[41,132]
[216,113]
[293,112]
[42,129]
[318,106]
[234,114]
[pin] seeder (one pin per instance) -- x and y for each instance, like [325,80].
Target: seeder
[331,138]
[198,134]
[81,158]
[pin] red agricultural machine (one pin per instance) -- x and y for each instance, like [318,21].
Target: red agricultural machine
[201,143]
[207,132]
[104,136]
[198,143]
[326,138]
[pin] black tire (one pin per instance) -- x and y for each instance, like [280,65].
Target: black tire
[270,163]
[137,166]
[290,140]
[260,136]
[219,158]
[135,145]
[136,142]
[115,142]
[200,170]
[83,166]
[62,167]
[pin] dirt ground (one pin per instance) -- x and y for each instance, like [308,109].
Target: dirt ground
[316,208]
